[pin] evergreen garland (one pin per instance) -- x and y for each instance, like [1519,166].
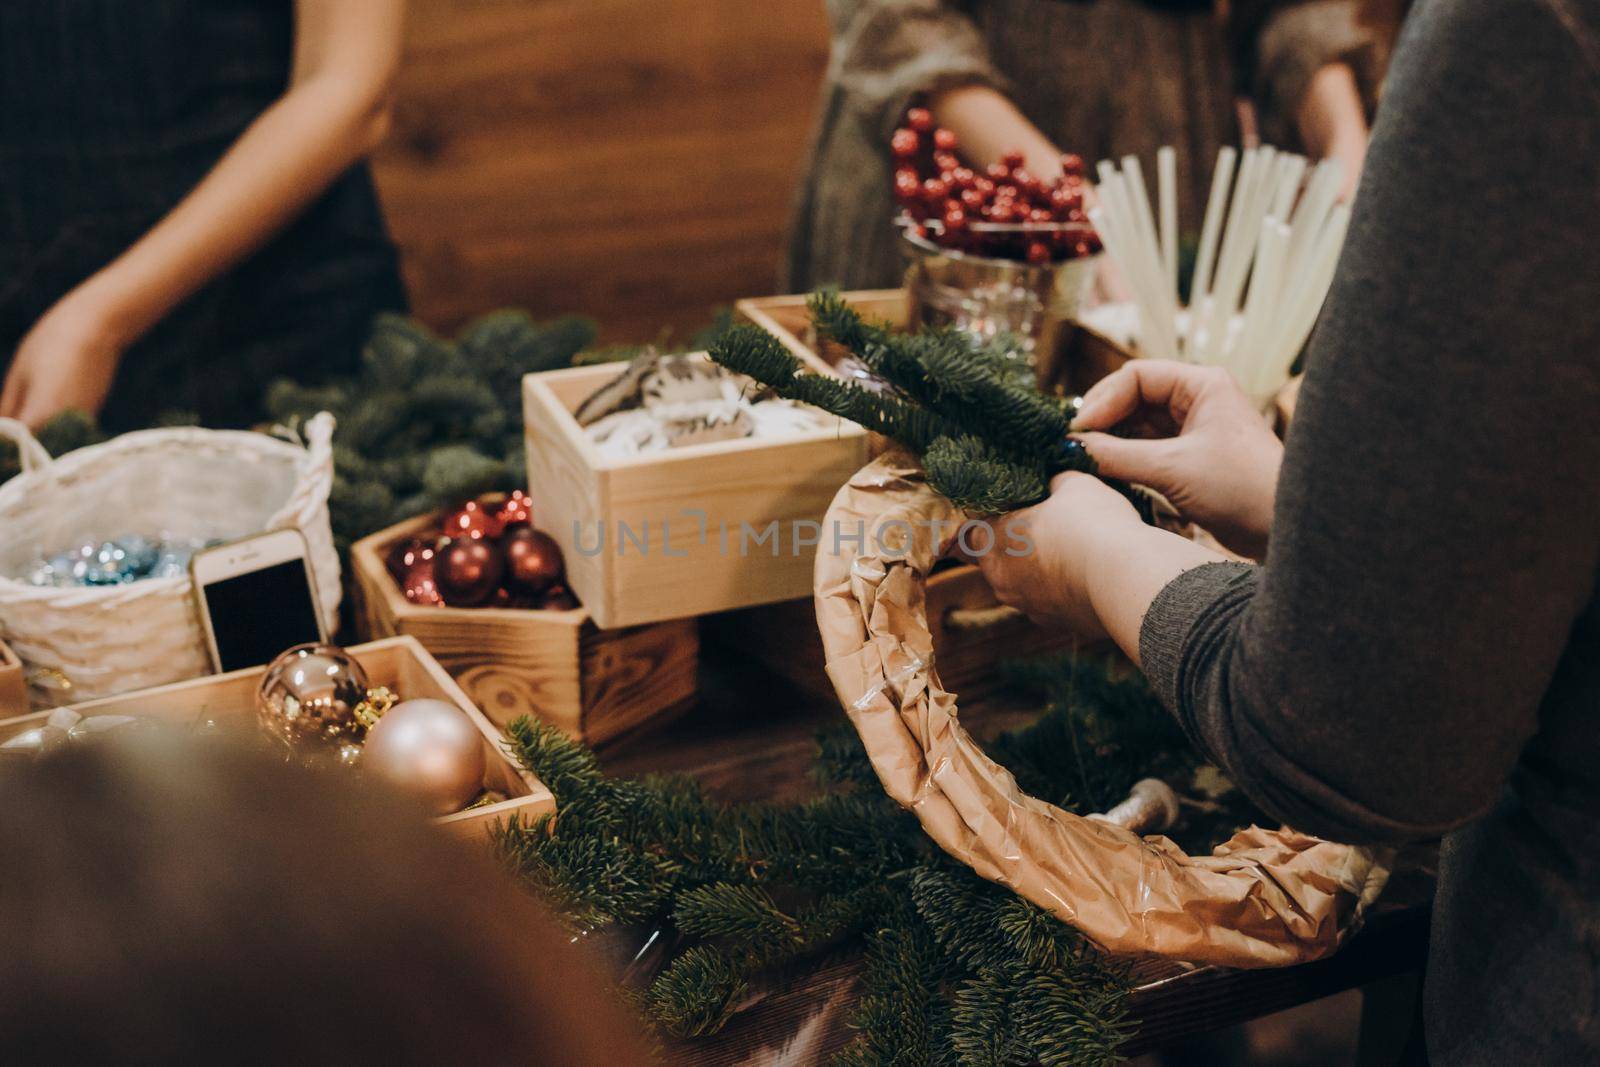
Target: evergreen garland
[955,970]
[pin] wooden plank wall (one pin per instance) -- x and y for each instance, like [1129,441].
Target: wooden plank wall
[633,160]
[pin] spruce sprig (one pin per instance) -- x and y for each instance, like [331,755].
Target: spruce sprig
[989,439]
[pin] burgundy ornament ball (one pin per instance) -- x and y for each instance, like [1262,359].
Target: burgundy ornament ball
[403,555]
[472,521]
[417,583]
[533,561]
[515,510]
[467,571]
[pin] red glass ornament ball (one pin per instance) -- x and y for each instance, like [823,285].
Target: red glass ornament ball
[1038,252]
[1012,159]
[1072,164]
[515,509]
[920,119]
[945,140]
[533,561]
[467,571]
[946,161]
[403,554]
[417,584]
[998,172]
[471,521]
[905,143]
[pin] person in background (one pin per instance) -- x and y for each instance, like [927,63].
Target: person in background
[1098,78]
[174,901]
[1419,653]
[184,210]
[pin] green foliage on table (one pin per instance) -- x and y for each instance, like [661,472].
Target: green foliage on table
[990,440]
[955,970]
[428,421]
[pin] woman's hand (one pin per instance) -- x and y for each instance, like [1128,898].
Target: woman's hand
[1212,455]
[67,360]
[1083,560]
[1040,566]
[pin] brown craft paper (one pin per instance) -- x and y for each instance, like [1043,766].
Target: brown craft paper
[1266,898]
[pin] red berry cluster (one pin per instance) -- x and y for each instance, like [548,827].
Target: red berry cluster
[1017,215]
[486,554]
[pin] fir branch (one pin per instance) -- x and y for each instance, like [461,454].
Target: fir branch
[751,351]
[697,993]
[954,967]
[982,1030]
[836,320]
[976,478]
[741,913]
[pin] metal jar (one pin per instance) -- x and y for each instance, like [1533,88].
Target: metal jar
[1037,303]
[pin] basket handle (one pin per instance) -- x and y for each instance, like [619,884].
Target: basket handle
[34,456]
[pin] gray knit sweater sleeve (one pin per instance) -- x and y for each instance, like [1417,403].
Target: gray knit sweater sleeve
[1438,514]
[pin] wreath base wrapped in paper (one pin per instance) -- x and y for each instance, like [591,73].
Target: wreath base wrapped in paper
[1265,898]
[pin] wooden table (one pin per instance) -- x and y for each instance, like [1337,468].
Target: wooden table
[749,736]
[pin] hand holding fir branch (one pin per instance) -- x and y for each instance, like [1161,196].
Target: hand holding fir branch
[992,443]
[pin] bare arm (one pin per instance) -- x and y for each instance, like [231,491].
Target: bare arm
[335,111]
[988,125]
[1333,123]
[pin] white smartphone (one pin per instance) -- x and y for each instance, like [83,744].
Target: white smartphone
[257,598]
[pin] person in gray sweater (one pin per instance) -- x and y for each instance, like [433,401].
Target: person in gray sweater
[1418,654]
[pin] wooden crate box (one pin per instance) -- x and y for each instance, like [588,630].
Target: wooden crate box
[397,662]
[973,633]
[592,684]
[13,684]
[684,532]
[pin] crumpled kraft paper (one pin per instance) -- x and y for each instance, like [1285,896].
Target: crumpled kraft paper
[1266,898]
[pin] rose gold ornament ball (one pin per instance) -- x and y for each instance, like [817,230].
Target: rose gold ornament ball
[429,748]
[308,696]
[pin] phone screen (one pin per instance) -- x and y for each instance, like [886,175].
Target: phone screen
[258,614]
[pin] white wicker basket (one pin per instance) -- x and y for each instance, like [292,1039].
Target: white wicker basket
[83,643]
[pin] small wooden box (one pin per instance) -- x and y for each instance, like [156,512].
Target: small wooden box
[973,633]
[591,684]
[13,687]
[397,662]
[684,532]
[787,319]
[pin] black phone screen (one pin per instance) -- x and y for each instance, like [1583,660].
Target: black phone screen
[258,614]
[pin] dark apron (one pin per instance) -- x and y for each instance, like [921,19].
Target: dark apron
[111,111]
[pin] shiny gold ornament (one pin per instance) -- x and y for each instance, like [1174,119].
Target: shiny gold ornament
[431,749]
[377,704]
[308,696]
